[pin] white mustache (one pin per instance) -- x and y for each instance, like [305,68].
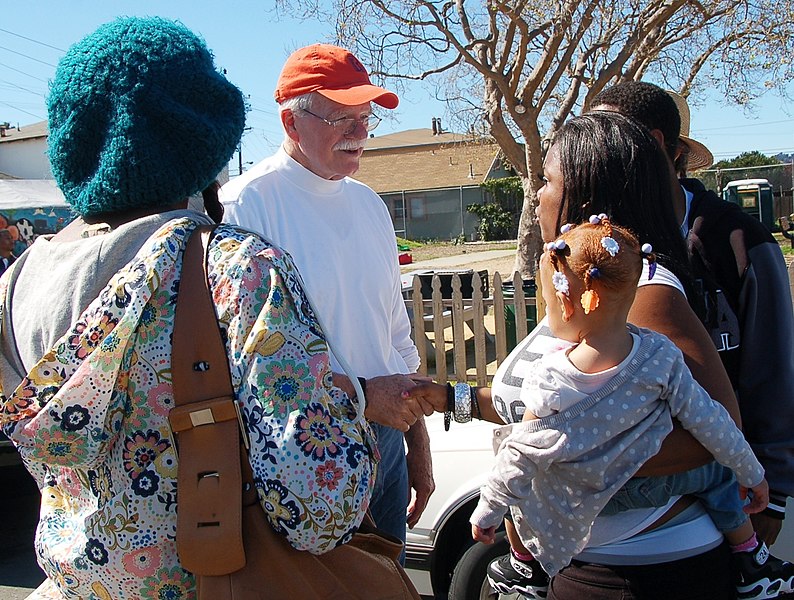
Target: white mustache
[350,145]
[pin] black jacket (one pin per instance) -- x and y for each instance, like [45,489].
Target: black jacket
[749,316]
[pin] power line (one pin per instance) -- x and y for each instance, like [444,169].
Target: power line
[31,40]
[27,56]
[701,129]
[21,110]
[22,88]
[23,73]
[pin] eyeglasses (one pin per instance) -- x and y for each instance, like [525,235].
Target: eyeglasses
[348,124]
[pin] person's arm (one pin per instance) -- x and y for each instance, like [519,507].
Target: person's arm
[389,403]
[487,411]
[420,470]
[664,309]
[433,398]
[766,370]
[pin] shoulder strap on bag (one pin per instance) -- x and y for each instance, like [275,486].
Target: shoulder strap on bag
[205,421]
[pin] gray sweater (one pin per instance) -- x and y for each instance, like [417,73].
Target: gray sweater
[557,473]
[58,281]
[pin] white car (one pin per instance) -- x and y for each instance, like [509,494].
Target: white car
[441,557]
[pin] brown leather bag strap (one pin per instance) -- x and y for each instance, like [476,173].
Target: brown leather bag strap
[205,421]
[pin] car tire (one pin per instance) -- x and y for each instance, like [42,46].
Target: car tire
[469,577]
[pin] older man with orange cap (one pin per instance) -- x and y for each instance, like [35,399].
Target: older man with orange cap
[341,237]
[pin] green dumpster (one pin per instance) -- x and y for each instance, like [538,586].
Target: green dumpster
[508,293]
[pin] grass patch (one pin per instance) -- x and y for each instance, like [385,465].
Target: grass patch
[785,244]
[409,243]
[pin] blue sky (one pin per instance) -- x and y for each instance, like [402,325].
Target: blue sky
[251,42]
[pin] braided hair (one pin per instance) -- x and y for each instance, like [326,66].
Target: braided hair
[598,251]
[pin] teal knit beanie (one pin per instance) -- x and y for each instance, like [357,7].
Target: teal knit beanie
[139,117]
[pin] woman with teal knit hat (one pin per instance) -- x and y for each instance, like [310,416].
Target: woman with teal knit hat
[139,120]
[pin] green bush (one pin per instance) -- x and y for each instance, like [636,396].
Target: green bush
[496,223]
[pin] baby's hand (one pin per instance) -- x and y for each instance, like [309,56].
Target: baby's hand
[431,396]
[486,536]
[759,499]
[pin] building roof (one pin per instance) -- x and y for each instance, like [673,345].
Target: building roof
[417,159]
[29,193]
[25,132]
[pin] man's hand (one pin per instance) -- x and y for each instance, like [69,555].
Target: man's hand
[420,470]
[766,528]
[386,404]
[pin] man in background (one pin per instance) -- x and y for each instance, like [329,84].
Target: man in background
[743,278]
[6,250]
[342,240]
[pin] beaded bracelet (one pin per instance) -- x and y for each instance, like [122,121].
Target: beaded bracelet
[450,407]
[474,403]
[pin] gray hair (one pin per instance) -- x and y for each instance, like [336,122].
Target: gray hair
[302,102]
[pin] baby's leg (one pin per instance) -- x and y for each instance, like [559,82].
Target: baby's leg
[740,535]
[712,483]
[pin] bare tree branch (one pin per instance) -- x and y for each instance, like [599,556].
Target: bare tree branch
[523,67]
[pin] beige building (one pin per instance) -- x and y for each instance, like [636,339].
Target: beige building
[23,151]
[427,179]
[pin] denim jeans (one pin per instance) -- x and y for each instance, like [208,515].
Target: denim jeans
[389,503]
[714,485]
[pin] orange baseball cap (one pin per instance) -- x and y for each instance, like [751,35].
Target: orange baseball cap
[332,72]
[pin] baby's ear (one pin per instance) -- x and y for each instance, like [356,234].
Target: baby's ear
[565,305]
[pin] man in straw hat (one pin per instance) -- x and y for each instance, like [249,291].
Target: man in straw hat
[747,298]
[341,237]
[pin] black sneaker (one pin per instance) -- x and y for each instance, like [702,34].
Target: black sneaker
[508,575]
[761,575]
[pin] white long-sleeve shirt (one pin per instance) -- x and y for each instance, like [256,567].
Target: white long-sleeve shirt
[340,236]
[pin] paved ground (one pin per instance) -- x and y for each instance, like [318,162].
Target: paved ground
[462,260]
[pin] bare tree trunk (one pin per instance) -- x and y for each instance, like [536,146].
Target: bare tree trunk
[529,243]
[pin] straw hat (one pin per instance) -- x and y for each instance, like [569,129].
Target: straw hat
[700,157]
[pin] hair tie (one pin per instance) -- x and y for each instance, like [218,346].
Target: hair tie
[560,282]
[610,245]
[589,301]
[647,253]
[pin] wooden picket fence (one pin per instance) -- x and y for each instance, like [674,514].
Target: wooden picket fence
[460,322]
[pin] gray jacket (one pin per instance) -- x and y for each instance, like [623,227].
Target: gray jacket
[557,473]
